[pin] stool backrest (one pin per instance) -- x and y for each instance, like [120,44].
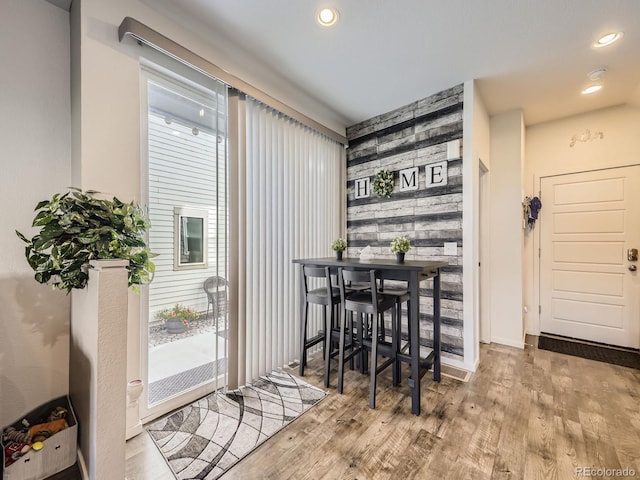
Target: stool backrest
[310,271]
[346,277]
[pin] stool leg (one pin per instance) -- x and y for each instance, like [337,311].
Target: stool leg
[409,325]
[363,333]
[327,346]
[352,338]
[395,346]
[343,321]
[303,340]
[398,325]
[374,363]
[324,344]
[360,326]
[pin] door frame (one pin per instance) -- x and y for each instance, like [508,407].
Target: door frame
[537,240]
[484,284]
[147,413]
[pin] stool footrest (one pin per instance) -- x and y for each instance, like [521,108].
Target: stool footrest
[381,367]
[314,340]
[425,364]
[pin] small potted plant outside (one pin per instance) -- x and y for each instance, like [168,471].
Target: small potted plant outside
[400,246]
[176,319]
[339,245]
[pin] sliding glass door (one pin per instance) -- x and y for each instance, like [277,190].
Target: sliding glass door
[186,305]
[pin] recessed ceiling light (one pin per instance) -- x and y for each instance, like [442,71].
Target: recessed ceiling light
[327,16]
[607,39]
[591,89]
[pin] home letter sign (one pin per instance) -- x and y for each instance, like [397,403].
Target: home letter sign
[363,187]
[409,179]
[436,174]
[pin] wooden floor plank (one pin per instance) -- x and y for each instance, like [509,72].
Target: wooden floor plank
[525,414]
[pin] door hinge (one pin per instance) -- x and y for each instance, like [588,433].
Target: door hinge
[539,309]
[539,252]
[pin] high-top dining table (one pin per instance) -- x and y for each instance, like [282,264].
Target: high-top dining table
[412,272]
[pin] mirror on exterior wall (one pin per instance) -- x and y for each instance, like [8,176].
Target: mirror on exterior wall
[190,238]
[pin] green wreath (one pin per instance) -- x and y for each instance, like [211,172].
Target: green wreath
[383,183]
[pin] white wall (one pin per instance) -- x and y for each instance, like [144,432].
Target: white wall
[506,236]
[476,140]
[34,164]
[549,152]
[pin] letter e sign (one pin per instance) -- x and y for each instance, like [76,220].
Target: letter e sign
[436,174]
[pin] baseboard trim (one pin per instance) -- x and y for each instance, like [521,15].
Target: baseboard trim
[508,342]
[82,465]
[133,431]
[452,362]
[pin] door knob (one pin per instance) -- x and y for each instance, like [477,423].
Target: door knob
[633,268]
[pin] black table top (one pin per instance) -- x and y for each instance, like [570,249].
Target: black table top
[386,263]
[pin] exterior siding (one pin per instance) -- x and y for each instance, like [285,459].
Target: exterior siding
[182,173]
[413,136]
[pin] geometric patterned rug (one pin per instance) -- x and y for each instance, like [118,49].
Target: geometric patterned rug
[203,440]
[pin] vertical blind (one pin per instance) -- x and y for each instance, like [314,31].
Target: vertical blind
[293,207]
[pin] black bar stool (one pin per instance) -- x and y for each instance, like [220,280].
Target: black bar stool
[367,304]
[401,294]
[327,296]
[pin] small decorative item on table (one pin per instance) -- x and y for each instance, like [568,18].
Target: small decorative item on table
[400,246]
[339,245]
[176,319]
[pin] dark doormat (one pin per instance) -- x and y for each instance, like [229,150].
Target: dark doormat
[625,358]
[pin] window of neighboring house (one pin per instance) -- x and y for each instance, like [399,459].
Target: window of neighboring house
[190,239]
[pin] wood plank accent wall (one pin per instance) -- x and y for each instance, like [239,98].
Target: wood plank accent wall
[413,136]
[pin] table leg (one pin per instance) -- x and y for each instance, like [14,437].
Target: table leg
[414,344]
[303,321]
[436,326]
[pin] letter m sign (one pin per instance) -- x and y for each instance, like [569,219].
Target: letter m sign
[409,179]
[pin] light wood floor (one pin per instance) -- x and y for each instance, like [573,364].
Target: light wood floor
[525,414]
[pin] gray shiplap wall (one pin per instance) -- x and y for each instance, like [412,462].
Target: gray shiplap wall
[413,136]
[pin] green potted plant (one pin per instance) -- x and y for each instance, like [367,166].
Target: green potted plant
[77,227]
[400,246]
[176,319]
[339,245]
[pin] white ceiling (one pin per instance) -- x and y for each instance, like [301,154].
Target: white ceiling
[383,54]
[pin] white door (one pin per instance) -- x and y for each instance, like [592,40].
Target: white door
[588,223]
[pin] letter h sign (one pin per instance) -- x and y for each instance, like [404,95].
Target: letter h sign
[362,187]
